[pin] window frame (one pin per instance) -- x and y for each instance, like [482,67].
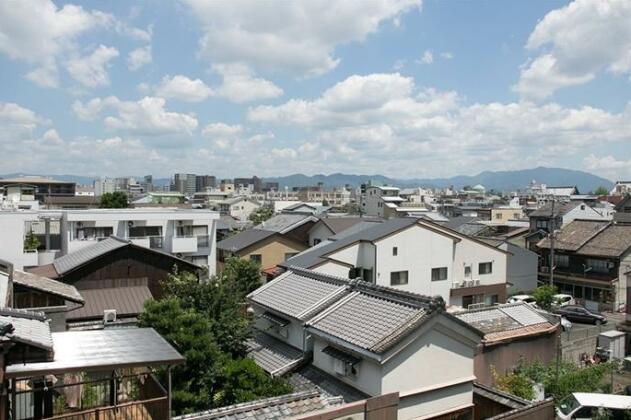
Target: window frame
[439,271]
[485,264]
[399,281]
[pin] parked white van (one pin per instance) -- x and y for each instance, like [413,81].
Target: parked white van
[583,405]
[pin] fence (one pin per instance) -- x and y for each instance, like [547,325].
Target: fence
[82,397]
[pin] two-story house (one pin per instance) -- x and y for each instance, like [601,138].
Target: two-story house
[415,255]
[238,207]
[592,262]
[356,339]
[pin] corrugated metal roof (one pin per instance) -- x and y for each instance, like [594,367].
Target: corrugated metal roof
[101,350]
[273,355]
[46,285]
[127,301]
[76,259]
[298,294]
[512,319]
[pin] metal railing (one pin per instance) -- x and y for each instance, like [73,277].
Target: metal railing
[80,397]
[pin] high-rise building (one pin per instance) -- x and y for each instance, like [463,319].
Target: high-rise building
[147,183]
[103,186]
[204,182]
[185,183]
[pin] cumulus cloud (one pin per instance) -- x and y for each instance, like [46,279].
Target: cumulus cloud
[240,85]
[91,70]
[609,166]
[297,37]
[146,116]
[576,43]
[426,132]
[427,57]
[139,57]
[184,89]
[40,33]
[220,129]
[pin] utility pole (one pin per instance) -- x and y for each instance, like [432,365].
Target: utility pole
[551,226]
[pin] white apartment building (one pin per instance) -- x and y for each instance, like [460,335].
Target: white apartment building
[188,234]
[415,255]
[380,201]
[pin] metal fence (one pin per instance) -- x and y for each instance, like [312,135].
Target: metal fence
[89,397]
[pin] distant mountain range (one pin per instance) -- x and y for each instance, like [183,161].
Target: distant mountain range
[497,180]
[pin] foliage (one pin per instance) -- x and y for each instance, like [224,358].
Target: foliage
[601,191]
[571,378]
[351,208]
[261,214]
[544,295]
[207,323]
[31,243]
[514,383]
[115,200]
[325,202]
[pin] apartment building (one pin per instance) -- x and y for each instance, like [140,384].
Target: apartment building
[414,255]
[359,340]
[380,201]
[187,234]
[35,188]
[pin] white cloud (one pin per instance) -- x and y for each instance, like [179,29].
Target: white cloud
[447,55]
[16,124]
[609,166]
[360,120]
[298,37]
[139,57]
[146,117]
[240,85]
[184,89]
[427,57]
[91,70]
[577,42]
[40,33]
[222,130]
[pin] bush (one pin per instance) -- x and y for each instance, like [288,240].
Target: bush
[544,295]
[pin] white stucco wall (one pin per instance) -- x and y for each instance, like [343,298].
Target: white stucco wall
[333,268]
[12,233]
[295,330]
[319,231]
[469,252]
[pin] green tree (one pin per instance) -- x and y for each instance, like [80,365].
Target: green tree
[31,243]
[261,214]
[243,276]
[515,383]
[115,200]
[601,191]
[544,295]
[325,203]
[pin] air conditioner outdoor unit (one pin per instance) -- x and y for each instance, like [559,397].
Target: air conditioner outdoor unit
[470,283]
[477,282]
[130,223]
[109,316]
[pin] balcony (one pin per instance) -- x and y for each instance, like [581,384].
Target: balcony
[30,258]
[203,241]
[153,242]
[184,244]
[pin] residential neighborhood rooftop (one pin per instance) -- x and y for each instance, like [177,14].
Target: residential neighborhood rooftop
[587,237]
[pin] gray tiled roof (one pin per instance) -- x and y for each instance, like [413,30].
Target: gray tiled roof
[588,237]
[76,259]
[28,327]
[128,301]
[273,355]
[244,239]
[46,285]
[284,221]
[310,378]
[285,406]
[560,209]
[370,321]
[298,293]
[502,317]
[314,256]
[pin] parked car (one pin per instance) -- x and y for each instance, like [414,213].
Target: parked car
[581,314]
[563,300]
[522,298]
[582,405]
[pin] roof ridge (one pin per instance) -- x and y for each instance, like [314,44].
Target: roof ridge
[328,278]
[23,313]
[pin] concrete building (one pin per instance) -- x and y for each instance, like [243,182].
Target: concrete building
[238,207]
[35,188]
[189,234]
[414,255]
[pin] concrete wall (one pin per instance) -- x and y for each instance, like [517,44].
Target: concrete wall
[295,330]
[273,250]
[12,233]
[430,403]
[521,268]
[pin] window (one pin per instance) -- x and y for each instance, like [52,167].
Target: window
[471,299]
[541,224]
[255,258]
[562,260]
[439,273]
[93,233]
[498,215]
[599,266]
[467,271]
[395,251]
[485,268]
[288,255]
[491,300]
[398,278]
[144,231]
[316,241]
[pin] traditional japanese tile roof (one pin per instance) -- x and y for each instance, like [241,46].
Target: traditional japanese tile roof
[310,378]
[46,285]
[285,406]
[299,293]
[587,237]
[560,209]
[374,318]
[507,321]
[26,327]
[273,355]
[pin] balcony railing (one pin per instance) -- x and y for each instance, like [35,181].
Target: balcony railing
[202,241]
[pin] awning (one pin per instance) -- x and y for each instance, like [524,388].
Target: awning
[275,319]
[101,350]
[341,355]
[273,355]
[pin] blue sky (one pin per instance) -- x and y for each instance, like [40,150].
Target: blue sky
[403,88]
